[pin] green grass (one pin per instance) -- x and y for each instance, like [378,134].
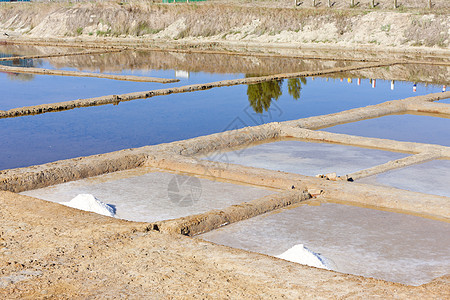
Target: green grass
[386,28]
[103,33]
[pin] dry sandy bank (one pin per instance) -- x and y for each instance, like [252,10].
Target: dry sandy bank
[51,251]
[224,23]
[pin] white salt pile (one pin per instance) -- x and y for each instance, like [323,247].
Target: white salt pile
[88,202]
[302,255]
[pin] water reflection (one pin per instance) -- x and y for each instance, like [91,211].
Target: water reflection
[19,76]
[23,63]
[295,86]
[260,95]
[48,137]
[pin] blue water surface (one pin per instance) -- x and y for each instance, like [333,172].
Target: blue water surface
[38,139]
[18,90]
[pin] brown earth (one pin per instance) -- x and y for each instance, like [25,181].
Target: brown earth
[50,251]
[236,24]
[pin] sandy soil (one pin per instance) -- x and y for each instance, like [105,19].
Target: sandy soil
[342,4]
[59,252]
[230,23]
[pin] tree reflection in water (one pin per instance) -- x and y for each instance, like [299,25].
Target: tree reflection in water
[295,86]
[260,95]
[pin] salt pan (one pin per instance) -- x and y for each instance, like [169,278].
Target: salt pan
[88,202]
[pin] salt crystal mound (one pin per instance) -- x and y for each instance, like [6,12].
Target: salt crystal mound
[302,255]
[88,202]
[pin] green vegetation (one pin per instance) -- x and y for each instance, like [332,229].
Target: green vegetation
[295,86]
[143,28]
[103,33]
[386,28]
[260,95]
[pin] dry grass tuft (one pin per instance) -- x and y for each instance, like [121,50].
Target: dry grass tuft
[428,31]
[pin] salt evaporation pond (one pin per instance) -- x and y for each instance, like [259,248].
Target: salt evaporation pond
[362,241]
[349,239]
[308,158]
[18,90]
[431,177]
[405,127]
[49,137]
[44,138]
[28,89]
[149,195]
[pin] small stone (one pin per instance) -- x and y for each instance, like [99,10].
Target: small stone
[331,176]
[315,192]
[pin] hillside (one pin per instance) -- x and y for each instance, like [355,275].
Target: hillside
[229,23]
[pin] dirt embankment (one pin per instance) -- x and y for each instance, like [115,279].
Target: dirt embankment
[233,24]
[59,252]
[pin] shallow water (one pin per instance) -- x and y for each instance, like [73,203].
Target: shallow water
[308,158]
[431,177]
[44,138]
[384,245]
[380,244]
[147,195]
[27,89]
[48,137]
[406,128]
